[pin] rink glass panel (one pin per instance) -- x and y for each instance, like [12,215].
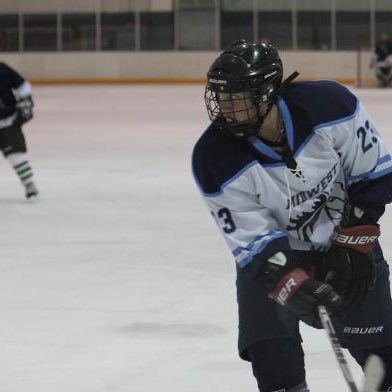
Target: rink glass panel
[314,30]
[40,32]
[79,31]
[118,31]
[9,33]
[234,25]
[192,24]
[156,31]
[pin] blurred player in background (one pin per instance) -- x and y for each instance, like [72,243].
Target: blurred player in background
[382,61]
[16,108]
[296,176]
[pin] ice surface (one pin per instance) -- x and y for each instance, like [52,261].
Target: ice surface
[118,280]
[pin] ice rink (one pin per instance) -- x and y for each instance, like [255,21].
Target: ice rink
[118,279]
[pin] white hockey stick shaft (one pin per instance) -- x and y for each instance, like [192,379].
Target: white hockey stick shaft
[337,348]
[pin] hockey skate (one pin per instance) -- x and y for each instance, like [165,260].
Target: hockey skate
[31,192]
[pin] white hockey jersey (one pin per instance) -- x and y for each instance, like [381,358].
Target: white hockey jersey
[262,207]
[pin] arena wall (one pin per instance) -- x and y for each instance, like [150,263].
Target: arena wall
[171,67]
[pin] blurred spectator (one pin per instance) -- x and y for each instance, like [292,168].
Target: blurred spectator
[382,61]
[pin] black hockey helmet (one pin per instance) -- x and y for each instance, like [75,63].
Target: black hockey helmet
[241,86]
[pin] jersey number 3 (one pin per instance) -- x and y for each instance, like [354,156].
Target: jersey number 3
[224,220]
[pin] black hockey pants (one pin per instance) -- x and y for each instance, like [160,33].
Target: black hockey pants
[269,333]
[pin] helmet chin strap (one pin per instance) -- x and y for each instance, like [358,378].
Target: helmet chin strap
[284,84]
[280,139]
[279,143]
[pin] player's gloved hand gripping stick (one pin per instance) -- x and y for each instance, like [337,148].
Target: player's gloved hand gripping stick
[350,272]
[310,299]
[292,286]
[350,262]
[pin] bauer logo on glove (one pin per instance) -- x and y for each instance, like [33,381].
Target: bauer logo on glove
[360,238]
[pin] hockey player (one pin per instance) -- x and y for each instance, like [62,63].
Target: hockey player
[382,61]
[296,176]
[16,108]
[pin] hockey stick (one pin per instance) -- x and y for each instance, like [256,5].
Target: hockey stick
[337,348]
[374,368]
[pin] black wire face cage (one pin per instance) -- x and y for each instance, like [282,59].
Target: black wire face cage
[239,112]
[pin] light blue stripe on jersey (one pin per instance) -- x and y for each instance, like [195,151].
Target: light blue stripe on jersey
[374,173]
[289,129]
[238,174]
[288,123]
[381,173]
[304,143]
[323,125]
[244,255]
[263,148]
[339,120]
[384,159]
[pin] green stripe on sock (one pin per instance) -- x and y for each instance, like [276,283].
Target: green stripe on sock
[20,172]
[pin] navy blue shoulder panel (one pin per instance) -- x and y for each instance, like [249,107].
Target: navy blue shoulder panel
[372,195]
[9,77]
[312,104]
[217,157]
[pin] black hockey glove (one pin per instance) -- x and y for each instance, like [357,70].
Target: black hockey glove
[351,267]
[293,287]
[24,110]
